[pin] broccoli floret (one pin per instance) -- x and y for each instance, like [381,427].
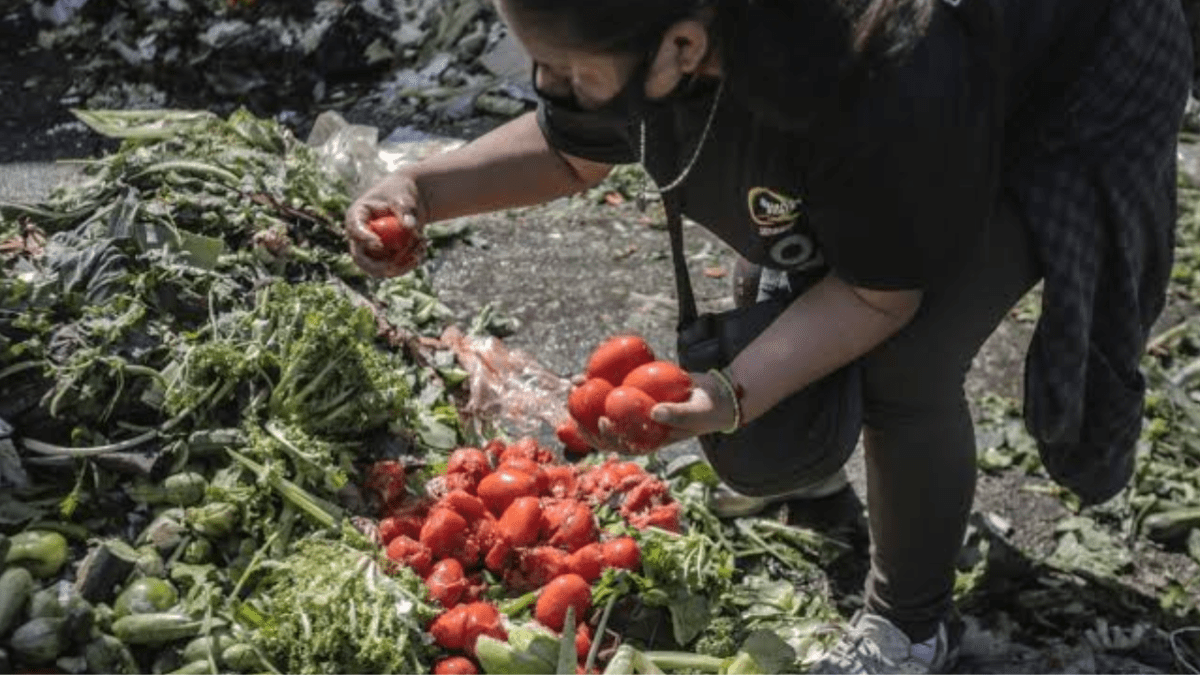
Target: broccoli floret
[720,638]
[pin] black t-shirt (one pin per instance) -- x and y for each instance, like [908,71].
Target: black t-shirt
[889,193]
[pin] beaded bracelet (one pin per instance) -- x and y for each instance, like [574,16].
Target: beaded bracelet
[727,383]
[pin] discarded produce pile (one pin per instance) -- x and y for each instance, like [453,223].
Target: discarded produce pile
[222,448]
[422,59]
[193,375]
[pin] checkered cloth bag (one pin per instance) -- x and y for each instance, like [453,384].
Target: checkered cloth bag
[1095,176]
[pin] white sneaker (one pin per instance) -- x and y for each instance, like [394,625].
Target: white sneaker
[725,502]
[875,645]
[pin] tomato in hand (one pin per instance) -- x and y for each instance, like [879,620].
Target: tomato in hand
[395,237]
[664,381]
[616,357]
[628,409]
[585,403]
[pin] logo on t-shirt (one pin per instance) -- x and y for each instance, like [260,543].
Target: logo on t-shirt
[771,209]
[788,245]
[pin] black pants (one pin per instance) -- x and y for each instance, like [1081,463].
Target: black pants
[919,437]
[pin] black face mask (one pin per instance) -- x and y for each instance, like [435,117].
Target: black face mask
[620,112]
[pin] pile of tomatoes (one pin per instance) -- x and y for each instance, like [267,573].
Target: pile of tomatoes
[514,510]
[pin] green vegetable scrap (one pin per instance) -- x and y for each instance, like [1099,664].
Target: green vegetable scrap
[347,616]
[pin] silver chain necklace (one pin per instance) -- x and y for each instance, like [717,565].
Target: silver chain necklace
[687,168]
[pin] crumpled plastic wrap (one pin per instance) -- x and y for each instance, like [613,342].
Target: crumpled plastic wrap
[354,152]
[509,388]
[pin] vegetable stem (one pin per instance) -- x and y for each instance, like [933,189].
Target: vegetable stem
[685,661]
[43,448]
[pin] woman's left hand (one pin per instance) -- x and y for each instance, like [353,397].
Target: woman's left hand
[708,410]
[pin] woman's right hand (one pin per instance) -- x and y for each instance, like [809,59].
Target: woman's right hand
[396,194]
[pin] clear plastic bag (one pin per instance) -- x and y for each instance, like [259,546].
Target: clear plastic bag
[354,152]
[509,389]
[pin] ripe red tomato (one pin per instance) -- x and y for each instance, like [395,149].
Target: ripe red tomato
[446,582]
[443,532]
[663,380]
[482,619]
[389,528]
[450,627]
[521,522]
[500,488]
[568,434]
[583,641]
[622,553]
[618,355]
[588,562]
[629,410]
[456,665]
[464,504]
[586,403]
[395,236]
[525,465]
[411,553]
[567,590]
[470,461]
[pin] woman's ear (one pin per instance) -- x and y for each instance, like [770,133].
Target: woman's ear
[681,53]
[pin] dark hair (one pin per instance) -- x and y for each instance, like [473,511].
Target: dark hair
[790,60]
[609,26]
[876,29]
[793,61]
[885,30]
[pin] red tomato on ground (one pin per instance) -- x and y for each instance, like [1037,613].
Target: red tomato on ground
[482,619]
[450,627]
[587,562]
[663,380]
[385,483]
[622,553]
[618,355]
[537,566]
[583,640]
[562,481]
[521,522]
[500,488]
[470,461]
[585,403]
[446,582]
[528,466]
[443,532]
[629,410]
[464,504]
[414,554]
[567,590]
[455,665]
[389,529]
[568,434]
[664,517]
[529,448]
[576,529]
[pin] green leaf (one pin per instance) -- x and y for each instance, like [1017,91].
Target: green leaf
[689,616]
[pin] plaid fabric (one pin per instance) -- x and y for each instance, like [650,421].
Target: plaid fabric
[1095,178]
